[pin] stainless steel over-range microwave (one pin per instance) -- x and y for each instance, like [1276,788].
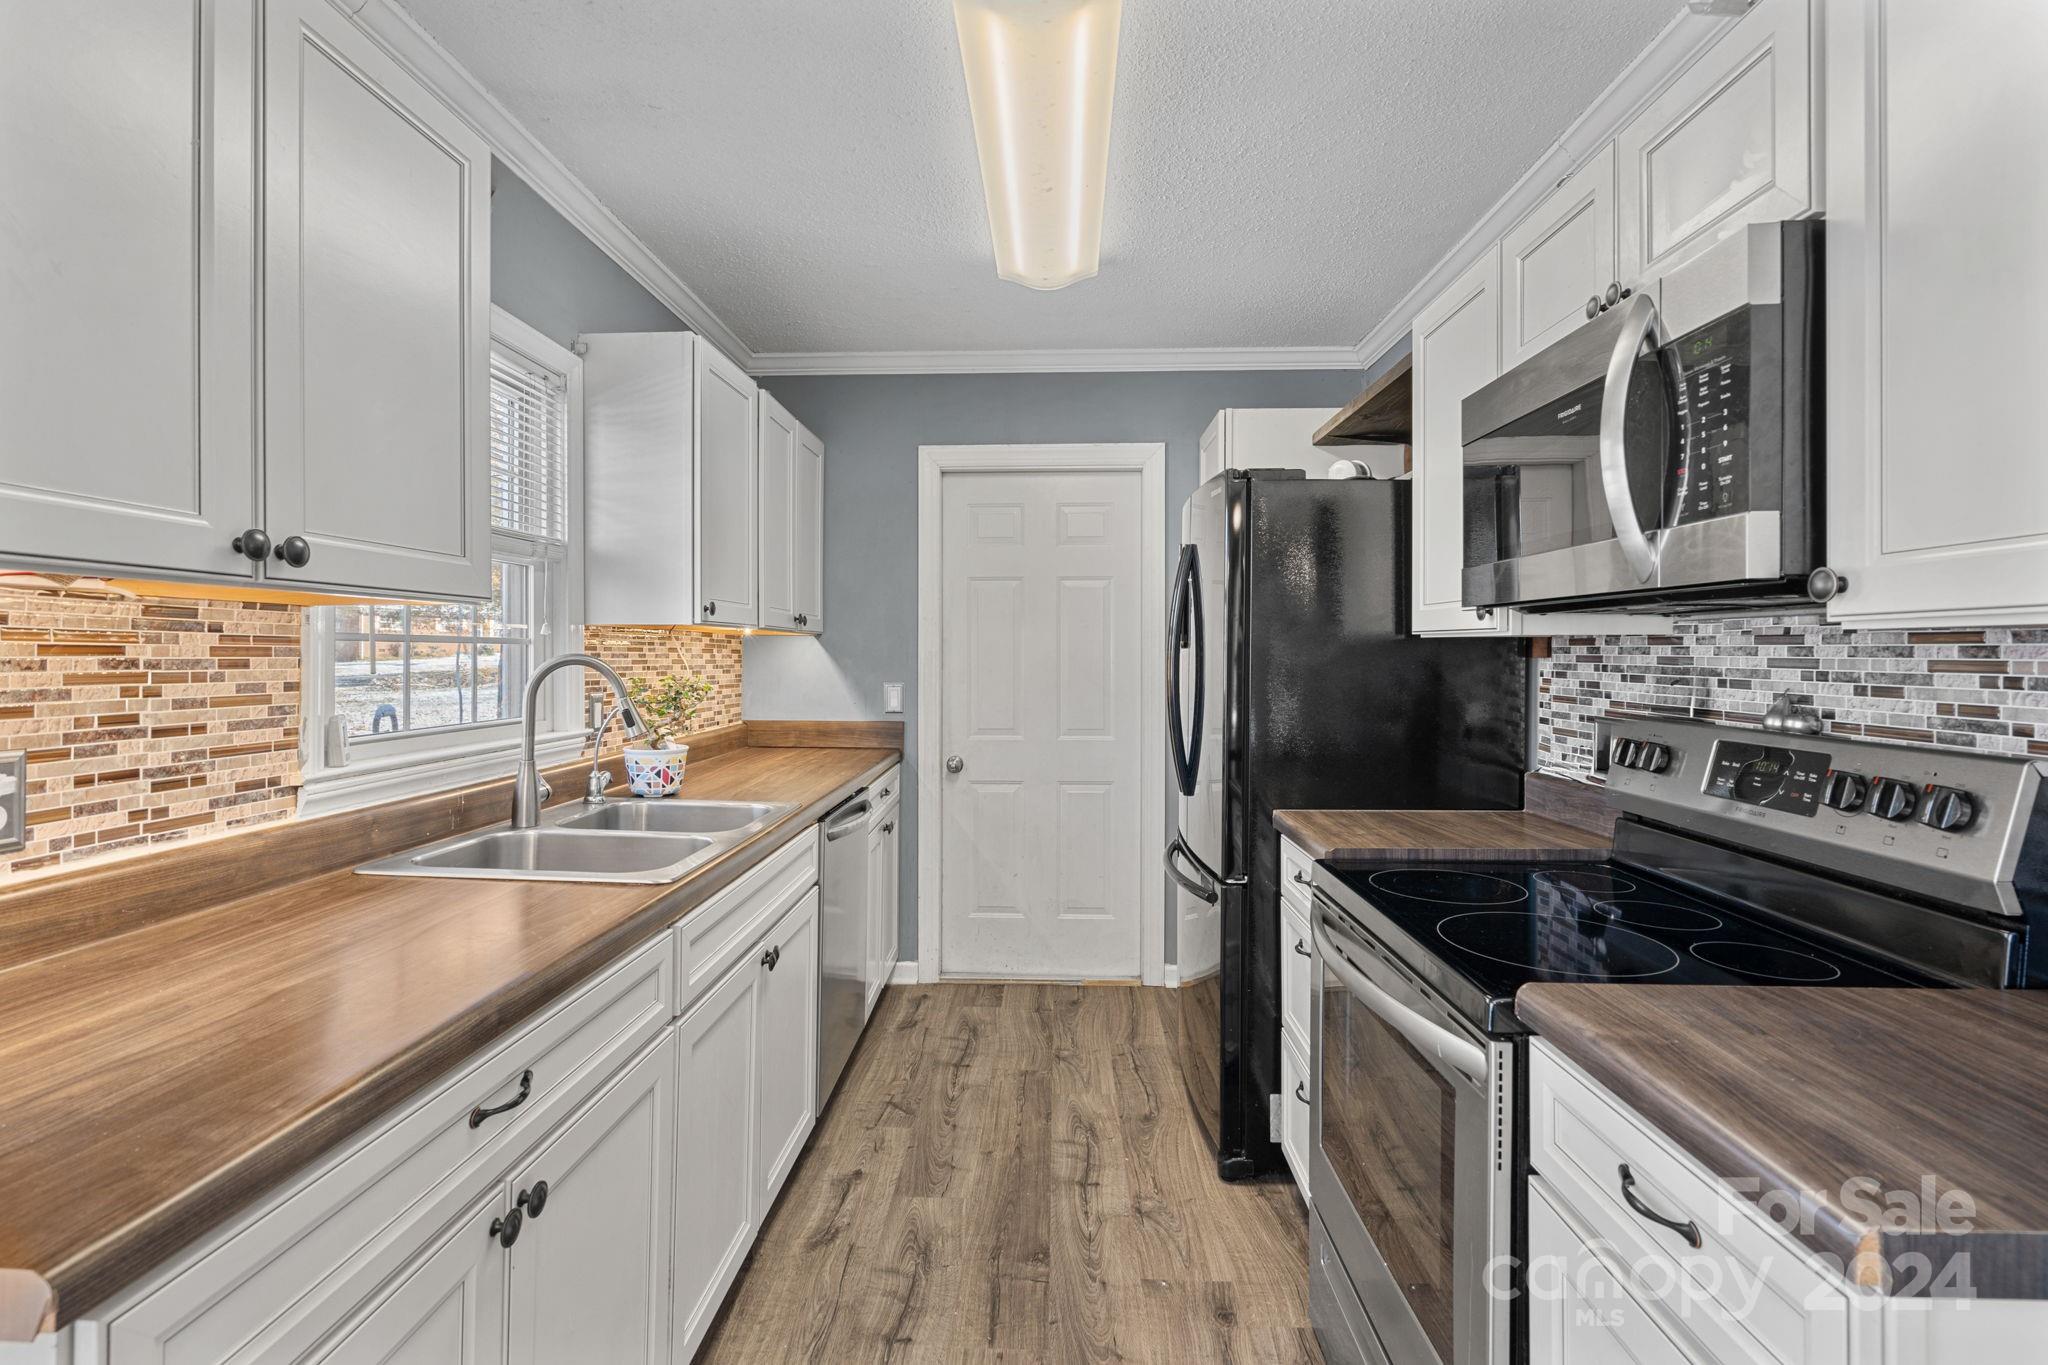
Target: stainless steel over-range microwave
[1668,453]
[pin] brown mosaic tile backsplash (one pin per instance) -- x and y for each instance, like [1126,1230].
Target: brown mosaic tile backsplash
[146,719]
[154,719]
[1974,689]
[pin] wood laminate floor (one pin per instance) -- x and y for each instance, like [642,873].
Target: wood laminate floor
[1012,1173]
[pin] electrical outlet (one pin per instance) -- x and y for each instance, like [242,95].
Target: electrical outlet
[892,699]
[13,801]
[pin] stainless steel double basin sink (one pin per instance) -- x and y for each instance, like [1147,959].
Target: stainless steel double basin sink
[628,841]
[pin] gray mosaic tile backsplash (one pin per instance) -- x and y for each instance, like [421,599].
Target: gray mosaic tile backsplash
[1977,689]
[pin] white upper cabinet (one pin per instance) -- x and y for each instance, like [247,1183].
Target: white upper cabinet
[1936,284]
[132,139]
[377,220]
[127,277]
[1731,141]
[777,537]
[1457,349]
[671,463]
[792,521]
[1556,263]
[1281,438]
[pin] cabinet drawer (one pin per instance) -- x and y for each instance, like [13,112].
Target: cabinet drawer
[1297,875]
[1295,957]
[887,788]
[1580,1304]
[1748,1292]
[711,938]
[283,1278]
[1295,1106]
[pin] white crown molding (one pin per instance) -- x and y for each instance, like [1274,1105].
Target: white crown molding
[1673,50]
[1057,361]
[413,47]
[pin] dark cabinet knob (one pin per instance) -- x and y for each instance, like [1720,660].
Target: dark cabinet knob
[1844,791]
[711,608]
[1891,799]
[294,551]
[535,1199]
[252,544]
[1947,808]
[506,1229]
[771,957]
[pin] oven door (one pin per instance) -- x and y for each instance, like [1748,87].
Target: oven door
[1412,1170]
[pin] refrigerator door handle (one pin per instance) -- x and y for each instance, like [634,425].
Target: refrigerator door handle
[1185,621]
[1203,890]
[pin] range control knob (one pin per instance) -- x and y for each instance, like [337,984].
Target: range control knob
[1844,791]
[1891,799]
[1622,753]
[1653,758]
[1947,808]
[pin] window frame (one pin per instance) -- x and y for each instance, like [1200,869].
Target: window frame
[363,772]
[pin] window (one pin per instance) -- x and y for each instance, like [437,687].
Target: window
[404,698]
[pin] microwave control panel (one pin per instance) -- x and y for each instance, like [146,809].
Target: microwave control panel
[1711,372]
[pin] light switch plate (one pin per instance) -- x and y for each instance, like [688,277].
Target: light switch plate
[892,699]
[13,801]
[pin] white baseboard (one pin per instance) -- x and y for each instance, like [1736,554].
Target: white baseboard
[905,974]
[1171,976]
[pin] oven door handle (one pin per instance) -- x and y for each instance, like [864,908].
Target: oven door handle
[1638,325]
[1427,1036]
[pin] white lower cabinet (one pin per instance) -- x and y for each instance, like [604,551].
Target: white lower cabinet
[590,1263]
[885,848]
[786,1091]
[448,1309]
[1580,1309]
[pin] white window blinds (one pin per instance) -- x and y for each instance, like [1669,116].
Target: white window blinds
[529,448]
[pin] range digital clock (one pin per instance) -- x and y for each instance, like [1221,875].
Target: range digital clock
[1767,776]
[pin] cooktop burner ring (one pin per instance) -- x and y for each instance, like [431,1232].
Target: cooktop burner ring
[1448,887]
[1658,958]
[1594,881]
[1667,916]
[1798,966]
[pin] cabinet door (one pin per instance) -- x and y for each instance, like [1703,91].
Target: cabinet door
[1457,349]
[1936,287]
[718,1061]
[1213,456]
[1731,141]
[449,1309]
[127,279]
[777,514]
[807,549]
[882,895]
[1557,258]
[727,590]
[590,1269]
[1580,1313]
[377,317]
[787,1088]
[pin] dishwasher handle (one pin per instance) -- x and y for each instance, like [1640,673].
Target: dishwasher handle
[847,817]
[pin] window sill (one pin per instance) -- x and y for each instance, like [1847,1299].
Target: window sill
[373,780]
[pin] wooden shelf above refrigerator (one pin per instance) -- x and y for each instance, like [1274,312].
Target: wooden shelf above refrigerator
[1378,416]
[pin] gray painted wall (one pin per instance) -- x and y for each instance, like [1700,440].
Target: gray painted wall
[872,427]
[546,273]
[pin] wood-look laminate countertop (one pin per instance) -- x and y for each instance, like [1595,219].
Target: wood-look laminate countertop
[154,1082]
[1824,1094]
[1437,835]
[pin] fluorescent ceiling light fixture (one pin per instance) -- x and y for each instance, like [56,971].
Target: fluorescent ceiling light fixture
[1040,77]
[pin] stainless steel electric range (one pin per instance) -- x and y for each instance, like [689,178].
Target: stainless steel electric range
[1740,857]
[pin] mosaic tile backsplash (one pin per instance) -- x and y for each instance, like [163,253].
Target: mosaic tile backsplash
[1975,689]
[148,720]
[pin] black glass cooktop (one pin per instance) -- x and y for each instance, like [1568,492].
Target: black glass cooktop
[1487,929]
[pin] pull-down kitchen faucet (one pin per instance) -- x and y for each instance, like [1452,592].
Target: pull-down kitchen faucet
[529,793]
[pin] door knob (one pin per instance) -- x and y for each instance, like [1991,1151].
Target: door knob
[955,764]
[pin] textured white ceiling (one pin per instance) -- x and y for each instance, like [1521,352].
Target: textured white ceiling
[1280,172]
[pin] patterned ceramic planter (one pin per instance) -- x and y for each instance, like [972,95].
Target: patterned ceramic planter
[656,772]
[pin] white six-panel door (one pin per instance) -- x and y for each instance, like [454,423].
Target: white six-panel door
[1040,656]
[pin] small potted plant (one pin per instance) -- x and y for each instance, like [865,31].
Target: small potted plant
[668,705]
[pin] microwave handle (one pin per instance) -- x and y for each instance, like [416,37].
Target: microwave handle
[1638,325]
[1425,1035]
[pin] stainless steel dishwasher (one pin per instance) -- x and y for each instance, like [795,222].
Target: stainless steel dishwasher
[842,938]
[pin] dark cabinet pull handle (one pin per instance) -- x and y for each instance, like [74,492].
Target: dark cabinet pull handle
[889,828]
[1689,1231]
[479,1114]
[252,545]
[1302,948]
[771,957]
[711,608]
[535,1199]
[1302,878]
[1301,1092]
[294,551]
[506,1229]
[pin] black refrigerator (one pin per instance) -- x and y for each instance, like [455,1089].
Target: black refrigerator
[1295,684]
